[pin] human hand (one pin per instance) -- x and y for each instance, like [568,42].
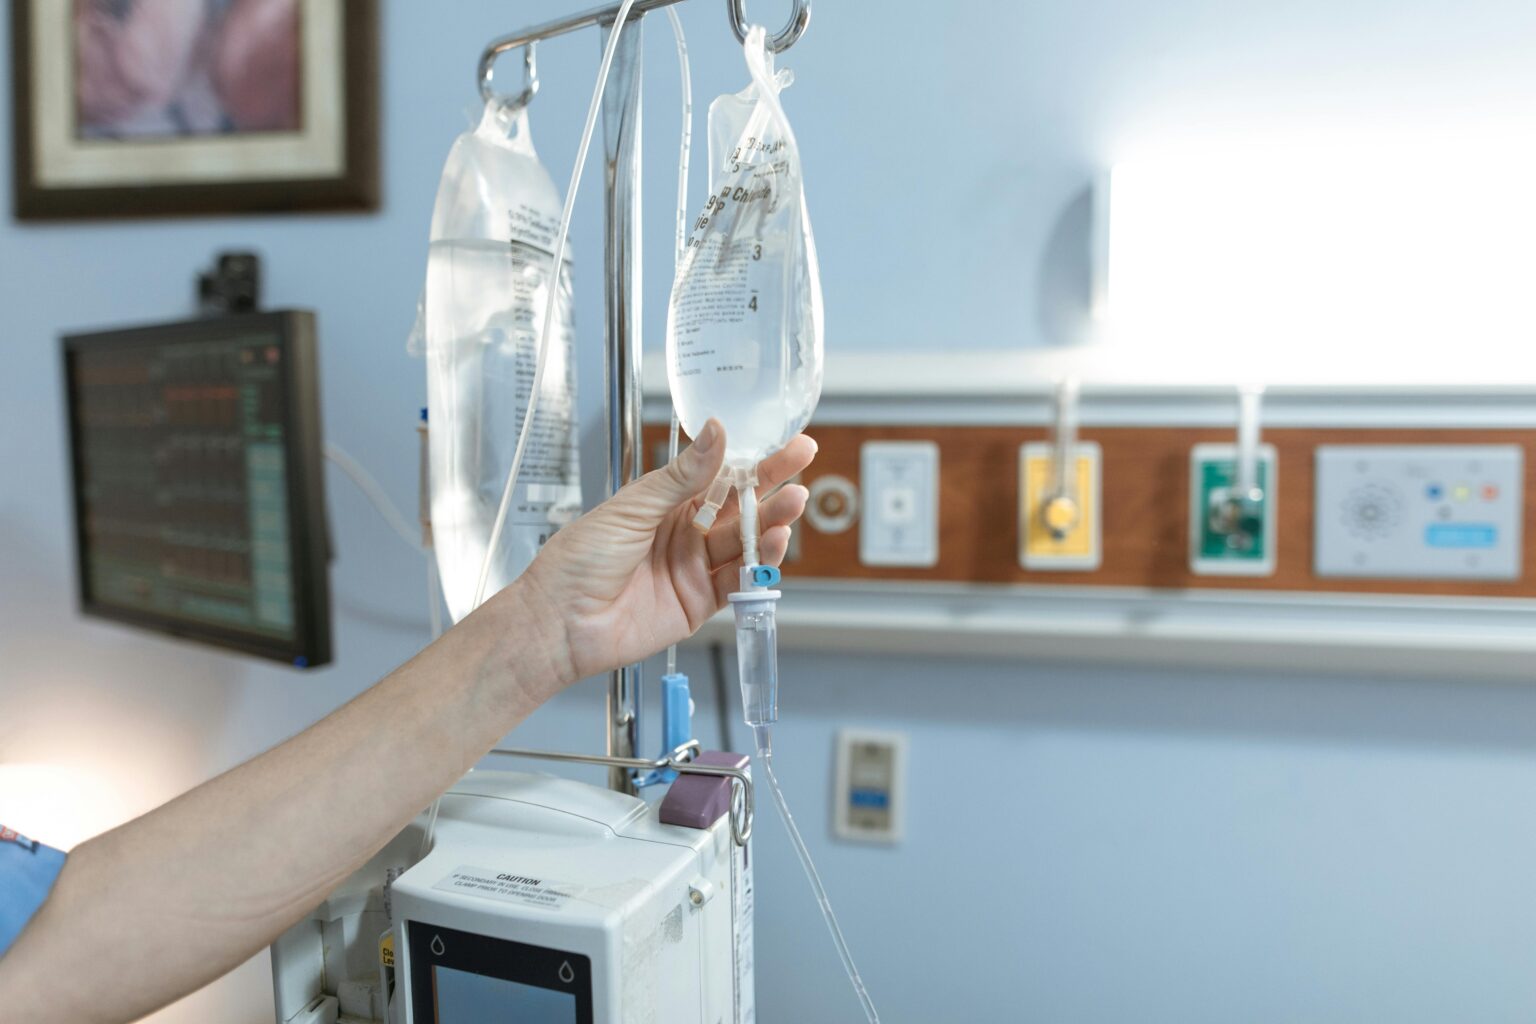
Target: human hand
[634,575]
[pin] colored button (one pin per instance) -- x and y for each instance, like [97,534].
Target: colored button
[1060,514]
[1490,492]
[1461,535]
[1462,492]
[1434,492]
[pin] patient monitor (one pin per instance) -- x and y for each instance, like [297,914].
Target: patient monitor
[541,901]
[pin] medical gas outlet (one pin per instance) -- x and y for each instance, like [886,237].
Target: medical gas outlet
[1059,493]
[1231,520]
[1059,521]
[1232,507]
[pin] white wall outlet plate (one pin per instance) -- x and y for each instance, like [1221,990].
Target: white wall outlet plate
[899,517]
[869,802]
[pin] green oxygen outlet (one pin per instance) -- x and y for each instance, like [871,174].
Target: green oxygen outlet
[1231,533]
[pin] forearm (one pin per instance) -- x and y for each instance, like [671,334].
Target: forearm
[206,881]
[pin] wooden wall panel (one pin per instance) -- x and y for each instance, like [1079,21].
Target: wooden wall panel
[1146,507]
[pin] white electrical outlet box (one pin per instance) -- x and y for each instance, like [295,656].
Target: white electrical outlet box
[1419,511]
[899,518]
[870,800]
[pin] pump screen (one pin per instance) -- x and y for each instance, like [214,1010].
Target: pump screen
[459,977]
[463,997]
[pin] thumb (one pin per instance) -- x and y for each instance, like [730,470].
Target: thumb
[684,478]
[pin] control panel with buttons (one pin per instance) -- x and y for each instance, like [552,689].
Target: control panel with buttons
[1419,512]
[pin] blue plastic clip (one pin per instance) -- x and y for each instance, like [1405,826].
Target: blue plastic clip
[765,575]
[676,716]
[676,724]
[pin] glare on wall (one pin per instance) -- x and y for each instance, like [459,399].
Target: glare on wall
[58,804]
[1349,264]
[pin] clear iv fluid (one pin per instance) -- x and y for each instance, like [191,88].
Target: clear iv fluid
[744,324]
[724,352]
[486,346]
[757,661]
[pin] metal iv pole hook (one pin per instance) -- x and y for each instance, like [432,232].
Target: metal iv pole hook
[786,37]
[487,72]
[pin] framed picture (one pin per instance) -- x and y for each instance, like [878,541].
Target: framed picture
[129,108]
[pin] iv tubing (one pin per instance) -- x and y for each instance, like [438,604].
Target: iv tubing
[686,86]
[765,758]
[374,492]
[746,491]
[672,430]
[687,136]
[746,494]
[541,362]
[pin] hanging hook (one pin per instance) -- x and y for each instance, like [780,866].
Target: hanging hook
[787,36]
[530,77]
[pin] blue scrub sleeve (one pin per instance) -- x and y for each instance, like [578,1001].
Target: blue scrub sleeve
[27,872]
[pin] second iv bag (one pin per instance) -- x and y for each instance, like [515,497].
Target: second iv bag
[744,327]
[489,268]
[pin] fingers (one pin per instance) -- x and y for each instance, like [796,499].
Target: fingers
[774,545]
[724,541]
[660,491]
[785,463]
[772,548]
[782,465]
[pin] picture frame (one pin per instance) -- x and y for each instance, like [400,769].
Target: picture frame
[154,108]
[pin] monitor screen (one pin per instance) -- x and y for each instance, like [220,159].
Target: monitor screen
[198,502]
[466,996]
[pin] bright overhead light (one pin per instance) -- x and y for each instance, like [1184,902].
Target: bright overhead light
[60,805]
[1411,263]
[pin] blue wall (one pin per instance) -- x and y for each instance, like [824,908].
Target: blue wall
[1083,844]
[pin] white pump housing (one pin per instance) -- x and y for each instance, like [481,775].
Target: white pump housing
[541,899]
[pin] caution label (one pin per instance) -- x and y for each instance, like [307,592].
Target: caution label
[508,886]
[387,949]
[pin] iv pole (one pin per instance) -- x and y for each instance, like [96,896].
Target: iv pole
[621,274]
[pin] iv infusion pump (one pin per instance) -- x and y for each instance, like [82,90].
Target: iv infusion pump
[542,901]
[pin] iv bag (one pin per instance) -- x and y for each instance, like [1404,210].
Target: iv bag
[744,327]
[489,268]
